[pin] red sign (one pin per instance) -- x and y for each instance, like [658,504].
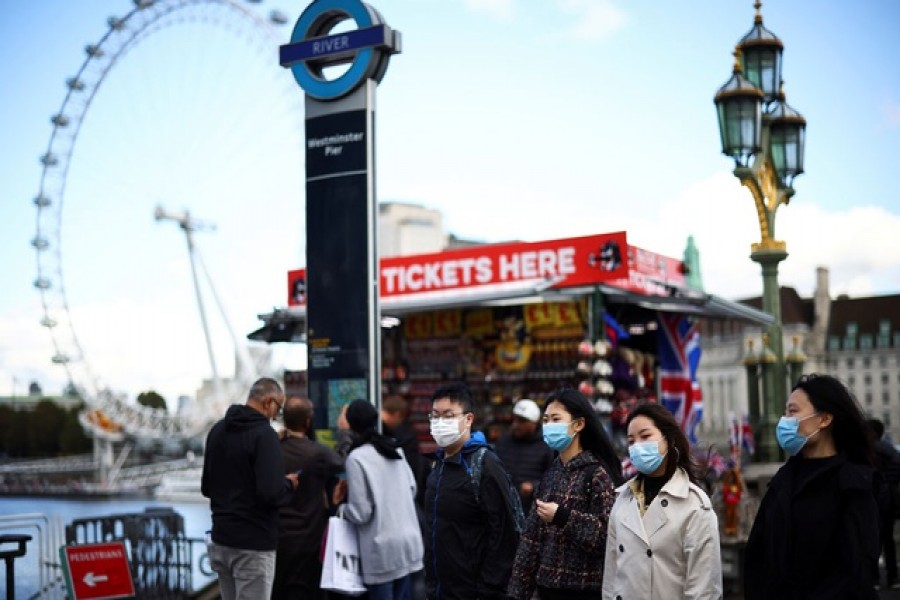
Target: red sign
[651,274]
[570,262]
[97,571]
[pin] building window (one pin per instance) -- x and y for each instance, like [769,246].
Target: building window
[850,362]
[867,379]
[834,343]
[897,339]
[885,378]
[882,361]
[885,398]
[850,336]
[886,419]
[867,362]
[868,398]
[865,341]
[884,333]
[851,380]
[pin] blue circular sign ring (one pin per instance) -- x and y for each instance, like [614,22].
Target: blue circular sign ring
[363,63]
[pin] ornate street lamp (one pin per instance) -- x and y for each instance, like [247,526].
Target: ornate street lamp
[766,138]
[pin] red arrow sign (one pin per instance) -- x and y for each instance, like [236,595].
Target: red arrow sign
[97,571]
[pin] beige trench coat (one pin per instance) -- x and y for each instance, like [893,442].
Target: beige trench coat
[672,552]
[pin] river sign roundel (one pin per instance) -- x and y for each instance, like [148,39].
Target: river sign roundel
[366,49]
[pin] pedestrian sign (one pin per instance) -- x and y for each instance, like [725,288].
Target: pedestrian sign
[97,571]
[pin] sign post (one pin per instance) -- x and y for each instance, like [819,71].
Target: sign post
[341,288]
[97,571]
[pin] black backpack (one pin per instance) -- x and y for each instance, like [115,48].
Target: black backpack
[515,503]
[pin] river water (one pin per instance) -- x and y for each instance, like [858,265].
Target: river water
[197,520]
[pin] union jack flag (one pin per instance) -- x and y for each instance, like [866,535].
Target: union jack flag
[679,357]
[747,436]
[734,438]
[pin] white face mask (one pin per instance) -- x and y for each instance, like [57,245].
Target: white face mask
[446,431]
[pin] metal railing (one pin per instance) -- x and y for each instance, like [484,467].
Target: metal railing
[160,555]
[48,539]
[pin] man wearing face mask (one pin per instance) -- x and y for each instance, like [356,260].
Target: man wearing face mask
[470,539]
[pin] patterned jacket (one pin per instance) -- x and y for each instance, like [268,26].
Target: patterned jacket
[567,554]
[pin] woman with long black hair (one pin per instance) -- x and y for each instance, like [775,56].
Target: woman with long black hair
[816,532]
[562,548]
[381,503]
[663,538]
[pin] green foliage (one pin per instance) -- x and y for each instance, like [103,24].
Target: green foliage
[47,431]
[152,399]
[44,426]
[6,421]
[72,438]
[16,439]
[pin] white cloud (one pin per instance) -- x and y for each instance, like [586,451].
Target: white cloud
[857,244]
[26,355]
[596,19]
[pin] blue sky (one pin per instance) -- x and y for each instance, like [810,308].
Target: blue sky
[517,119]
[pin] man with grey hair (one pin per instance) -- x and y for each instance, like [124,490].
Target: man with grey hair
[243,476]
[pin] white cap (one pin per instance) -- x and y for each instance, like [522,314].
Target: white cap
[528,410]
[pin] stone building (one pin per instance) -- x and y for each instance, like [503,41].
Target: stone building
[854,339]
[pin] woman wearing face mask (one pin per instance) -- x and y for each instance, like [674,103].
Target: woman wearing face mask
[816,531]
[663,539]
[562,548]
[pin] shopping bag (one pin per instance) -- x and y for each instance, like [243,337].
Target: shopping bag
[341,569]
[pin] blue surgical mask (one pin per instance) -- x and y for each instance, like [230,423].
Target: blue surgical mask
[556,435]
[645,456]
[787,432]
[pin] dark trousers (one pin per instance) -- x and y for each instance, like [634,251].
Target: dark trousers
[398,589]
[552,594]
[298,572]
[888,549]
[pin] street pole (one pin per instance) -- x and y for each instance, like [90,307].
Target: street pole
[765,137]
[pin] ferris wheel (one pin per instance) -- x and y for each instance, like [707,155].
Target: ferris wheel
[187,115]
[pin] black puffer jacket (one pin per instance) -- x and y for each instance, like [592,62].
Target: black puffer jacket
[243,477]
[469,545]
[816,533]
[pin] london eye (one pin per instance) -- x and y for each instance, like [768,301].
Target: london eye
[178,103]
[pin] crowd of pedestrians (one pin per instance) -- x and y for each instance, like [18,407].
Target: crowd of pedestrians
[451,526]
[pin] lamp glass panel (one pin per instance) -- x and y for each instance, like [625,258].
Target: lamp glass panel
[739,120]
[750,117]
[778,151]
[786,151]
[762,68]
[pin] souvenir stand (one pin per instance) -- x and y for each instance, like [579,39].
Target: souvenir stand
[517,320]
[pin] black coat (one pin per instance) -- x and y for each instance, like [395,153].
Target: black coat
[469,545]
[525,460]
[816,533]
[303,520]
[243,477]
